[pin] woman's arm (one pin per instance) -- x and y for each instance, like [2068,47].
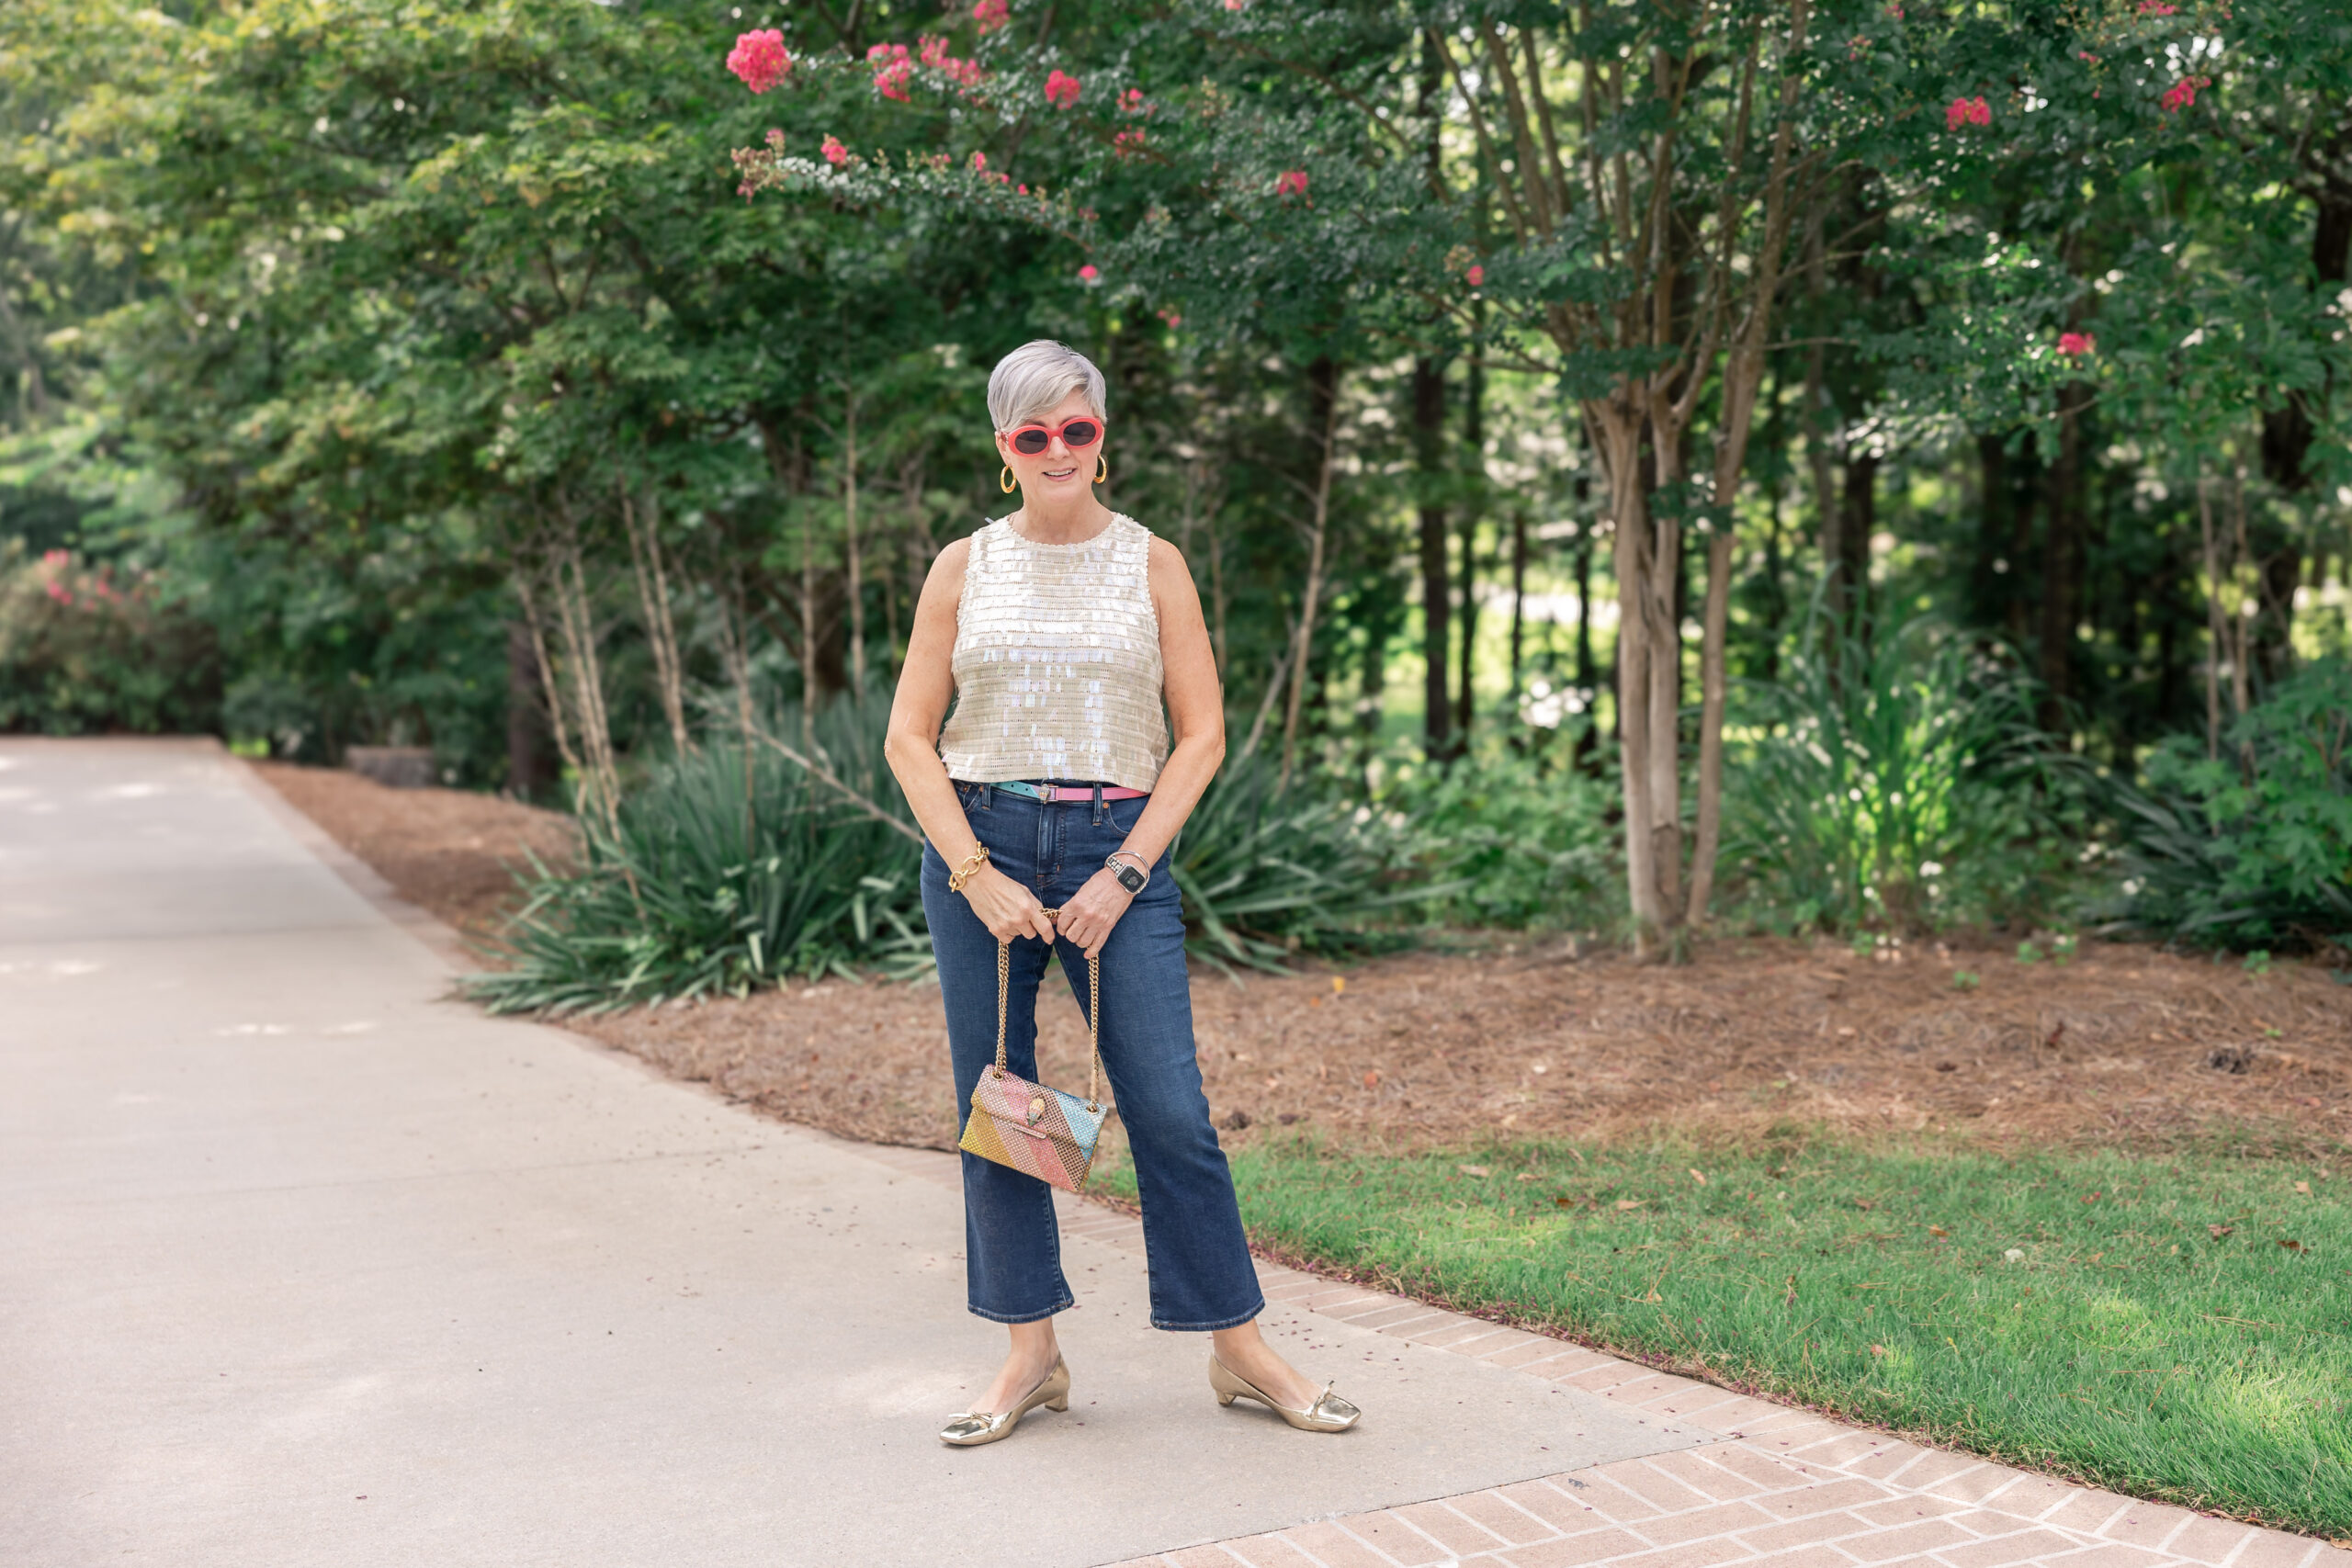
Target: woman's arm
[1196,713]
[925,686]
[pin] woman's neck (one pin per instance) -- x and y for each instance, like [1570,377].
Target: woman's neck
[1079,518]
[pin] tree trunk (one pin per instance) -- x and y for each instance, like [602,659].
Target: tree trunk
[553,687]
[2217,633]
[1323,398]
[2027,492]
[1588,672]
[849,544]
[1428,454]
[1474,442]
[1850,563]
[2289,429]
[1995,503]
[2061,563]
[643,526]
[1648,770]
[527,724]
[1518,591]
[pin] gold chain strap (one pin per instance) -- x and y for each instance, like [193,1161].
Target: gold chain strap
[1094,1014]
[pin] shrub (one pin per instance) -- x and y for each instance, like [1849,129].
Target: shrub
[1506,840]
[88,649]
[728,874]
[1268,874]
[2255,846]
[1902,786]
[730,871]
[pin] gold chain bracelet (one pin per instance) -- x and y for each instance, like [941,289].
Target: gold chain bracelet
[963,874]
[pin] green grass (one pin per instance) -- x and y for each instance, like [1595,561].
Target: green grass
[2126,1343]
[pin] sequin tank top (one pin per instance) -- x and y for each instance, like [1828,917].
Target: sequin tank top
[1056,661]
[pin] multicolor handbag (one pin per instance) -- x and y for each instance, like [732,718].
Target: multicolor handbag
[1037,1131]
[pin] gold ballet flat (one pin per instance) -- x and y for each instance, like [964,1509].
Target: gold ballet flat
[974,1427]
[1330,1413]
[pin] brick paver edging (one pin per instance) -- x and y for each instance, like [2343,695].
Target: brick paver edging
[1776,1488]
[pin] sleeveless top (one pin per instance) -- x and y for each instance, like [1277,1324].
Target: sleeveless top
[1056,661]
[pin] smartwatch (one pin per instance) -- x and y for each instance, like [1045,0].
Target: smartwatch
[1129,878]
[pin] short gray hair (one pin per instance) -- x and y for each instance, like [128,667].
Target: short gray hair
[1030,381]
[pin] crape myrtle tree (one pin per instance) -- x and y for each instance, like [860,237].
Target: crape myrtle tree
[2124,256]
[1616,216]
[442,281]
[533,348]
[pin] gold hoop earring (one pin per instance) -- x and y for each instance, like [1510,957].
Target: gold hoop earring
[1004,481]
[1102,468]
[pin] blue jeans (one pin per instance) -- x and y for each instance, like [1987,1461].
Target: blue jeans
[1202,1276]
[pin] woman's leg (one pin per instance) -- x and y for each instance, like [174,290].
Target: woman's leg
[1012,1240]
[1203,1278]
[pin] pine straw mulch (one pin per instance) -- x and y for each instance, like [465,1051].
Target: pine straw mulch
[2124,1045]
[2121,1046]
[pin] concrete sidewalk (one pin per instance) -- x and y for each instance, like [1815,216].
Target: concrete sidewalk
[304,1263]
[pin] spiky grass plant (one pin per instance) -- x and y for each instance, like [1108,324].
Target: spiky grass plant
[1899,782]
[731,869]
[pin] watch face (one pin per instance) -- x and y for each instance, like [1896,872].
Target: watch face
[1129,878]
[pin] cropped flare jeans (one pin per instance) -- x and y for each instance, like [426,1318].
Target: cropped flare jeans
[1202,1276]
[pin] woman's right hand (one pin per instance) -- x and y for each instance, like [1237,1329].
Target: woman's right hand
[1005,906]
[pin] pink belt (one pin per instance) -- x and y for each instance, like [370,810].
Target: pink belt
[1051,793]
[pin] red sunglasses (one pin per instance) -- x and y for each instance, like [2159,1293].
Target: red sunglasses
[1077,434]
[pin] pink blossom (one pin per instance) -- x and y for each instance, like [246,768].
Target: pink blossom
[1291,182]
[892,69]
[1476,274]
[979,163]
[2073,345]
[2183,93]
[1061,89]
[1967,111]
[835,153]
[1127,143]
[1169,316]
[1025,190]
[1234,4]
[2157,8]
[965,73]
[1895,10]
[57,591]
[55,559]
[759,58]
[1131,102]
[774,139]
[1087,272]
[991,14]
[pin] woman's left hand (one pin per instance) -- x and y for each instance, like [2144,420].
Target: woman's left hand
[1087,919]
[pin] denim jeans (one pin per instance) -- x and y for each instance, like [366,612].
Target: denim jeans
[1202,1276]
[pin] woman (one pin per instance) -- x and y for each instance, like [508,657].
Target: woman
[1059,631]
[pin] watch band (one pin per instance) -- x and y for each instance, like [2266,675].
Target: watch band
[1140,875]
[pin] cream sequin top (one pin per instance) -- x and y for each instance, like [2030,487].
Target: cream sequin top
[1056,661]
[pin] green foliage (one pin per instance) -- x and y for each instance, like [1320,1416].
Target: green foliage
[88,649]
[2173,1327]
[730,871]
[1506,839]
[1268,874]
[1900,783]
[2252,846]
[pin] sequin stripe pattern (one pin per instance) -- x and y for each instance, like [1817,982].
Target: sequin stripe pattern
[1057,1147]
[1057,660]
